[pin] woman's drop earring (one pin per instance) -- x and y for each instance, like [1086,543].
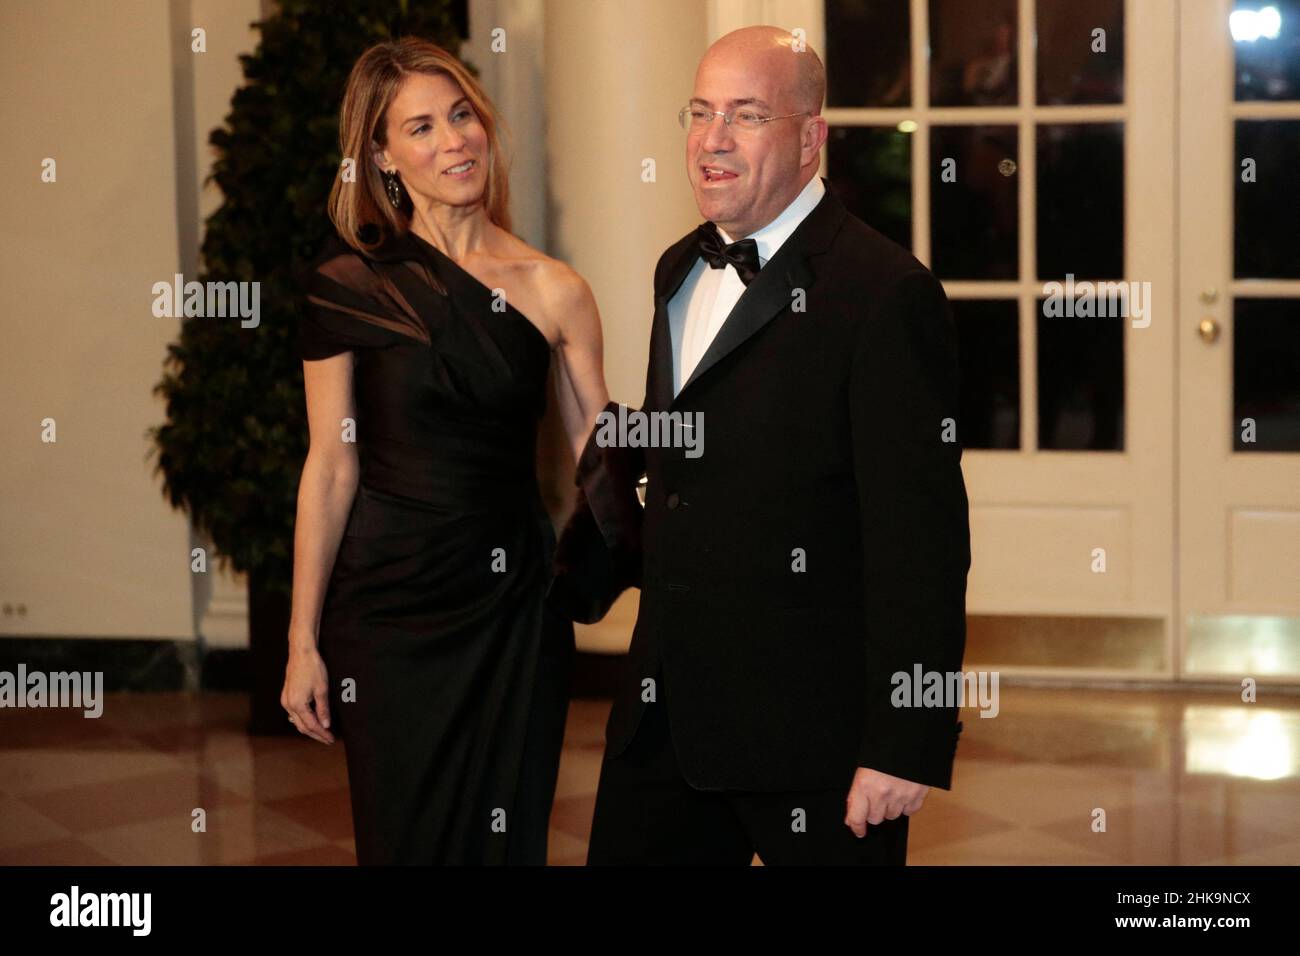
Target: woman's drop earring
[392,188]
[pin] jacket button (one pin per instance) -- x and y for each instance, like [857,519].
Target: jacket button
[673,500]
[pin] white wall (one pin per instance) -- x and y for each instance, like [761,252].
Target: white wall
[87,544]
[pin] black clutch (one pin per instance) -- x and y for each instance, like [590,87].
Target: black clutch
[598,553]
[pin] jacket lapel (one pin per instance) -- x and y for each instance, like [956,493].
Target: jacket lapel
[659,384]
[764,298]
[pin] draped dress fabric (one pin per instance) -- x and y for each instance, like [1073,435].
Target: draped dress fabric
[448,670]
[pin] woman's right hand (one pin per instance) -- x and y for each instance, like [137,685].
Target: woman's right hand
[306,683]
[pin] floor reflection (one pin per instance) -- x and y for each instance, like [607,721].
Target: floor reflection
[1177,776]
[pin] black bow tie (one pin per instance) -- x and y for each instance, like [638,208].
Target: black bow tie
[743,255]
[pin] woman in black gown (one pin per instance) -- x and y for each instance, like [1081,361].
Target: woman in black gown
[420,632]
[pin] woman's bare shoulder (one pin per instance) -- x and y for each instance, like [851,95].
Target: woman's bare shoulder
[552,281]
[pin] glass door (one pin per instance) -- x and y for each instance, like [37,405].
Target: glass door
[1239,338]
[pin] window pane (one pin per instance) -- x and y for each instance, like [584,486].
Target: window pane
[973,57]
[1081,200]
[871,168]
[1266,39]
[1080,382]
[868,53]
[988,343]
[974,206]
[1266,237]
[1076,63]
[1266,373]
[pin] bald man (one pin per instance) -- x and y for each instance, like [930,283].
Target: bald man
[816,545]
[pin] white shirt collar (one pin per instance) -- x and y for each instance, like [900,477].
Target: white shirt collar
[770,237]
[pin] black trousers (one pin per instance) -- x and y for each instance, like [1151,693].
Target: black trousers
[646,813]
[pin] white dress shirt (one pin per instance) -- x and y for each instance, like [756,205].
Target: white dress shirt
[706,297]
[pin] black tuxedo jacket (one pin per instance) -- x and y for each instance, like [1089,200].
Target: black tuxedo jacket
[820,544]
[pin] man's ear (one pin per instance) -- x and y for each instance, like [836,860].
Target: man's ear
[815,136]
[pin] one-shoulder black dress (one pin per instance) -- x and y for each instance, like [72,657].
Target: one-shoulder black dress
[448,671]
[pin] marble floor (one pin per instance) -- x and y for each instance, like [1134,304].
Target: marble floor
[1179,777]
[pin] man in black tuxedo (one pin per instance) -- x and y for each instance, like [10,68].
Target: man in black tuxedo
[819,545]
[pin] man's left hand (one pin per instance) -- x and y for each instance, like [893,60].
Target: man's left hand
[875,797]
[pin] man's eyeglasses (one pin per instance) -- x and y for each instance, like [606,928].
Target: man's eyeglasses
[696,119]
